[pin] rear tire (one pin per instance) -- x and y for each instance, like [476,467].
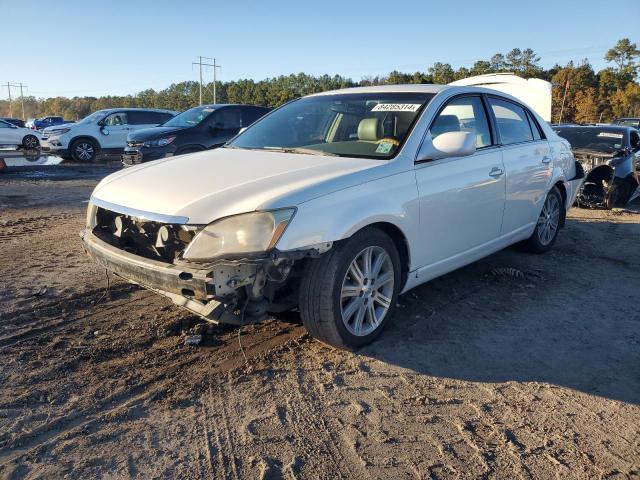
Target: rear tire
[84,150]
[348,306]
[548,224]
[30,142]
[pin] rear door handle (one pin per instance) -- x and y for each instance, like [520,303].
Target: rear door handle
[546,159]
[496,172]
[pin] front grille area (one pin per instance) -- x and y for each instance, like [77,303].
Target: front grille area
[153,240]
[134,144]
[131,158]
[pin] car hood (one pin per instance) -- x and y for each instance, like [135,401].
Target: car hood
[152,133]
[208,185]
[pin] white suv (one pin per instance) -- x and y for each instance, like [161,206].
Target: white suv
[104,130]
[335,204]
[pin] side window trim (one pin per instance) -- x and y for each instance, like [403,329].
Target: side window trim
[535,125]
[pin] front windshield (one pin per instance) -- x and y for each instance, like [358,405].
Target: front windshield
[605,140]
[189,118]
[628,122]
[94,117]
[368,125]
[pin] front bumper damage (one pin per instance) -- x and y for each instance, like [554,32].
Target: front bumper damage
[226,291]
[609,180]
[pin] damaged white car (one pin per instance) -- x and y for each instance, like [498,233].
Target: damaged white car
[335,204]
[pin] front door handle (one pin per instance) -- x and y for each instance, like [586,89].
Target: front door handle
[546,159]
[496,172]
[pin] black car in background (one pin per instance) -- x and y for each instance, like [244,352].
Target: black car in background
[610,156]
[196,129]
[14,121]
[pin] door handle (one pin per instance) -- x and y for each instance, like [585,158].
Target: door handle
[496,172]
[546,159]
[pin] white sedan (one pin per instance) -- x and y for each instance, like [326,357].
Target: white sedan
[335,204]
[18,136]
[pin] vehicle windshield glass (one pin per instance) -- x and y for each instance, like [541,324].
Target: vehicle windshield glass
[597,139]
[189,118]
[94,117]
[367,125]
[628,122]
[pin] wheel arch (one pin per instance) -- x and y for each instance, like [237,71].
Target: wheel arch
[195,147]
[399,239]
[563,193]
[86,137]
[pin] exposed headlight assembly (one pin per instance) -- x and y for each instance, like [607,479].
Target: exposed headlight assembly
[159,142]
[253,232]
[60,131]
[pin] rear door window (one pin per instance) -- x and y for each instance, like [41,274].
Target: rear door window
[535,128]
[512,121]
[142,117]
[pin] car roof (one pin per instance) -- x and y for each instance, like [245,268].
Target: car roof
[142,109]
[220,105]
[408,88]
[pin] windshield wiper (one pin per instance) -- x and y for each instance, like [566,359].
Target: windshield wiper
[303,151]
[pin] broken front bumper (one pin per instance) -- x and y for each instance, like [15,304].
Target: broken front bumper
[192,288]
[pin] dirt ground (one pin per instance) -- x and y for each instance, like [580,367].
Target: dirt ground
[518,366]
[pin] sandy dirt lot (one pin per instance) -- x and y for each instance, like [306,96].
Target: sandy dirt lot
[518,366]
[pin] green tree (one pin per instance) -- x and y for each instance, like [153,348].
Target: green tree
[625,55]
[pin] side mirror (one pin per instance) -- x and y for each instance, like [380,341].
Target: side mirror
[447,145]
[104,130]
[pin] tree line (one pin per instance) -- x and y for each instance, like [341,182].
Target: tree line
[590,96]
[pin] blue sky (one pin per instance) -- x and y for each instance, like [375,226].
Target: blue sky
[117,47]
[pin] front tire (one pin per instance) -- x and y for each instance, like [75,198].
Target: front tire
[84,150]
[348,295]
[548,224]
[30,142]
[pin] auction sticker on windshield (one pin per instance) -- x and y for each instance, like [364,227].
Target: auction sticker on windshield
[396,107]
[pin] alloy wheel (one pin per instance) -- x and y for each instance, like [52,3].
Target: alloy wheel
[84,151]
[30,142]
[549,220]
[367,290]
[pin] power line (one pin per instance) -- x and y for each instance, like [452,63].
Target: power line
[214,65]
[16,85]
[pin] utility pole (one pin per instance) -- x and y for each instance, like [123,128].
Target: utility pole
[9,90]
[17,85]
[214,79]
[566,89]
[200,64]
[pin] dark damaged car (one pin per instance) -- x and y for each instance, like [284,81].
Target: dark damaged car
[609,155]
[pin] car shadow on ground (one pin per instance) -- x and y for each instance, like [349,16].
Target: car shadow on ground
[569,318]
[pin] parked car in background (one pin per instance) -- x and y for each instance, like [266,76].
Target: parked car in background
[336,203]
[29,122]
[14,121]
[51,121]
[102,131]
[12,135]
[609,155]
[628,122]
[193,130]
